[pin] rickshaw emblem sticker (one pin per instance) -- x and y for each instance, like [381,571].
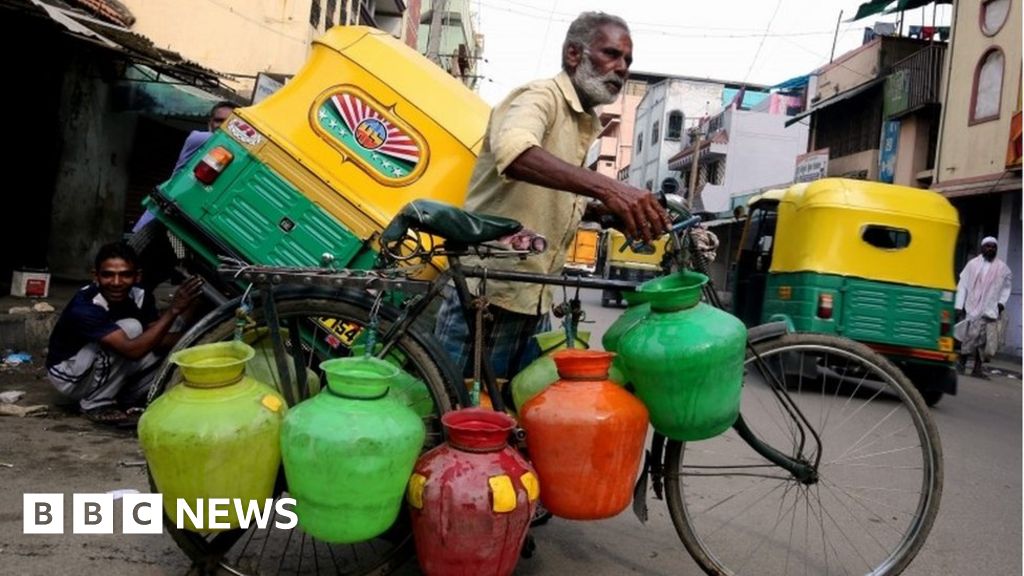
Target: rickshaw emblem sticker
[369,135]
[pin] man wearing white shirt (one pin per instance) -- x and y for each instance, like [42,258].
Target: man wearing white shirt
[981,296]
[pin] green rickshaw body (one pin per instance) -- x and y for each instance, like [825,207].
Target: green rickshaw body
[869,261]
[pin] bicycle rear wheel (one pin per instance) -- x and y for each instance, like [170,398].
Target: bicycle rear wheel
[326,326]
[879,479]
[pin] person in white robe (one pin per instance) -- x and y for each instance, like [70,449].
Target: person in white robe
[981,296]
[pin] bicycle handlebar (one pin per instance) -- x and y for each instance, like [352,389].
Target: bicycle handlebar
[641,247]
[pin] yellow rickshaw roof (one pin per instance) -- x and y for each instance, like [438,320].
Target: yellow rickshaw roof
[821,228]
[867,196]
[460,111]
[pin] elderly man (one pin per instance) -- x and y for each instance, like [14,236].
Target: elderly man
[981,297]
[530,169]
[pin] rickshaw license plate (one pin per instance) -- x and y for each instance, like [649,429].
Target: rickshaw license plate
[340,333]
[946,344]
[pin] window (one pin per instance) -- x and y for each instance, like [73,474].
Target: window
[993,16]
[639,142]
[655,134]
[988,87]
[886,237]
[851,126]
[675,125]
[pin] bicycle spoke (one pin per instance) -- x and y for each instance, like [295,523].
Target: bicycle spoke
[778,520]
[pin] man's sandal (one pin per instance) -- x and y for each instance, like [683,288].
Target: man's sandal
[111,416]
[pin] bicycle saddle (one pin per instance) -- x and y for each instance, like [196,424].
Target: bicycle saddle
[451,223]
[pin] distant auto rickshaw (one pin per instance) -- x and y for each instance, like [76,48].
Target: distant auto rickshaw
[618,259]
[582,256]
[869,261]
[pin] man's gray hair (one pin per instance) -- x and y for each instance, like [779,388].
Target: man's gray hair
[584,27]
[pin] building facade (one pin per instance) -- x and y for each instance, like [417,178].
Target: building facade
[447,35]
[663,116]
[243,38]
[613,150]
[978,163]
[742,151]
[868,135]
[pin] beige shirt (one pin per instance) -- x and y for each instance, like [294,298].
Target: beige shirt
[545,113]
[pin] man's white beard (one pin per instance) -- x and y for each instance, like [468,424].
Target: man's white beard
[591,85]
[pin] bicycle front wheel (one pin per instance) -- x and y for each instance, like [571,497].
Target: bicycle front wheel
[878,479]
[316,327]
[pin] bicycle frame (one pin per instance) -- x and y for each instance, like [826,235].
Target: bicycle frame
[266,278]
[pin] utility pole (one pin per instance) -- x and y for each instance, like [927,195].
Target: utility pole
[835,37]
[694,170]
[439,9]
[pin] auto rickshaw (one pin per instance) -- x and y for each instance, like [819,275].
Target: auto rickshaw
[869,261]
[310,175]
[582,256]
[618,259]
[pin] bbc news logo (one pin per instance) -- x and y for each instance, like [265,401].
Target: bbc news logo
[143,513]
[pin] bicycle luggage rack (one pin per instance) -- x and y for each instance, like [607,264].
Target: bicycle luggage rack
[262,276]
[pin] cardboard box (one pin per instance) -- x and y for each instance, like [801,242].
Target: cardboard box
[30,284]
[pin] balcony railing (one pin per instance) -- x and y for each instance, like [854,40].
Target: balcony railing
[914,81]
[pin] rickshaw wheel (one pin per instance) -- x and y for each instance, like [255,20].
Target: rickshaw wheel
[878,485]
[931,397]
[275,551]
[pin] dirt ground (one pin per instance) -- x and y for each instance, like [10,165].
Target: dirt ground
[61,452]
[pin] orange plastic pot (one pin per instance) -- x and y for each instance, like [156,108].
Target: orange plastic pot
[585,436]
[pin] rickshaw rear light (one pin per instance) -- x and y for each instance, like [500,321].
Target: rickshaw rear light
[212,165]
[825,306]
[945,327]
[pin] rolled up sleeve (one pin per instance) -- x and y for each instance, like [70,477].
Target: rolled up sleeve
[521,125]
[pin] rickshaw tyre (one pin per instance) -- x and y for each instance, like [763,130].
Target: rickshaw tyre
[925,518]
[931,397]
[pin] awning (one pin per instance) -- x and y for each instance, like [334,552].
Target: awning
[836,99]
[903,5]
[146,91]
[716,146]
[793,83]
[137,50]
[871,7]
[1000,182]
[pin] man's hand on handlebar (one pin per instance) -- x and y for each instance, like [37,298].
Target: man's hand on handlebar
[638,210]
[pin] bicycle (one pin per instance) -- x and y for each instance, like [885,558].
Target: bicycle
[822,418]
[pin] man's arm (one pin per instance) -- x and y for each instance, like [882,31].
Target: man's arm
[633,206]
[154,333]
[1007,288]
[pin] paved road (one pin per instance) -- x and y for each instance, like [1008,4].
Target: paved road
[978,530]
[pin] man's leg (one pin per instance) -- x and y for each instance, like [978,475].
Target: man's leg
[114,375]
[73,377]
[507,336]
[978,371]
[452,332]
